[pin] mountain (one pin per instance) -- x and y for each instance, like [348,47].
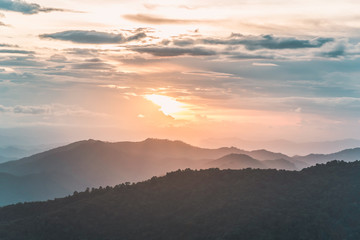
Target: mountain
[236,161]
[5,159]
[96,159]
[280,164]
[8,153]
[276,160]
[13,152]
[263,154]
[321,202]
[93,163]
[346,155]
[285,146]
[179,149]
[240,161]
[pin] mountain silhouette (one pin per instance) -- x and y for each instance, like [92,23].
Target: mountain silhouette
[346,155]
[320,202]
[240,161]
[93,163]
[236,161]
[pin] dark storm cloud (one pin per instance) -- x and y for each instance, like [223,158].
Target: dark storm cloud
[174,51]
[143,18]
[93,37]
[24,7]
[269,42]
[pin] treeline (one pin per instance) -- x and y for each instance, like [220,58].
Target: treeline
[321,202]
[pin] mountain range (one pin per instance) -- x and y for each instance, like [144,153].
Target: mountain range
[285,146]
[320,202]
[91,163]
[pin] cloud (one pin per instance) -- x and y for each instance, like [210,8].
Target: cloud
[174,51]
[338,51]
[268,42]
[246,56]
[24,7]
[144,18]
[184,42]
[19,77]
[92,65]
[261,64]
[48,110]
[82,51]
[93,37]
[16,51]
[58,58]
[8,45]
[20,61]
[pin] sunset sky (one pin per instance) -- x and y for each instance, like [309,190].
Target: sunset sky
[190,70]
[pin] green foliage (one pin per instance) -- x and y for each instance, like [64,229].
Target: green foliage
[321,202]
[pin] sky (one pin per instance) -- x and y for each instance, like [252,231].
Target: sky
[189,70]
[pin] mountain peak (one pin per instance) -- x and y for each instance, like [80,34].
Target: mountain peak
[237,156]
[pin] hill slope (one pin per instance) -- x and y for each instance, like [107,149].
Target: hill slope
[94,163]
[345,155]
[236,161]
[240,161]
[321,202]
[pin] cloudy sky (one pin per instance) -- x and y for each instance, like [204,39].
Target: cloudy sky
[189,70]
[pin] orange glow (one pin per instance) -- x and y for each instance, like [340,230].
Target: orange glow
[168,104]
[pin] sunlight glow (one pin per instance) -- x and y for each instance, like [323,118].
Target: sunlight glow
[168,104]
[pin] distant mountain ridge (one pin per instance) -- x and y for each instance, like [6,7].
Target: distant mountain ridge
[93,163]
[346,155]
[290,148]
[237,161]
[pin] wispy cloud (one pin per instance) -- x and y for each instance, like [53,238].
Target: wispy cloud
[93,37]
[26,109]
[25,7]
[20,61]
[338,51]
[8,45]
[150,19]
[262,64]
[269,42]
[94,64]
[16,51]
[47,109]
[246,56]
[174,51]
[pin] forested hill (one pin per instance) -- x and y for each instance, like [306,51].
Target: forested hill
[321,202]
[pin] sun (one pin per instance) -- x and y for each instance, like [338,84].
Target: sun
[168,104]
